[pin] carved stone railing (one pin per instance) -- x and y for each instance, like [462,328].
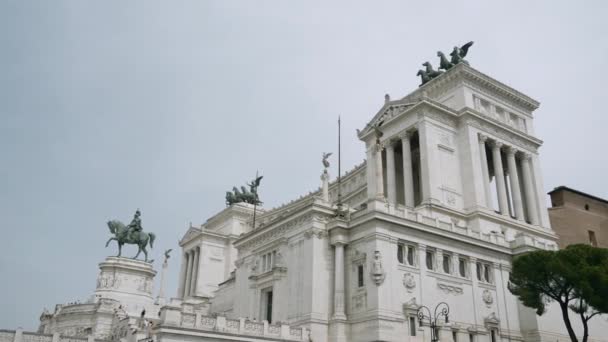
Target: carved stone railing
[33,337]
[7,335]
[25,336]
[173,316]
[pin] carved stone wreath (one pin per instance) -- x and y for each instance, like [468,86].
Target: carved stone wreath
[487,298]
[409,282]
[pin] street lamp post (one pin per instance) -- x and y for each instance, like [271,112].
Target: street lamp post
[442,309]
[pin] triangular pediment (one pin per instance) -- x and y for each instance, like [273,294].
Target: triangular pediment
[390,110]
[191,233]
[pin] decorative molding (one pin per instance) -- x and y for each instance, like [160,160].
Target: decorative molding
[450,289]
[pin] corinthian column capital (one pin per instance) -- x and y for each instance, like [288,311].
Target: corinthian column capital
[482,138]
[511,151]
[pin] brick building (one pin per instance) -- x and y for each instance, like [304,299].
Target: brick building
[578,217]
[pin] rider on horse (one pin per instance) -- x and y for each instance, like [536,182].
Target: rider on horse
[134,227]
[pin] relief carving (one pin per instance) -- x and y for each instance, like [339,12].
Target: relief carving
[378,273]
[487,298]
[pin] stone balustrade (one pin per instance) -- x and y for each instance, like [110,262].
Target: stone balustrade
[173,316]
[24,336]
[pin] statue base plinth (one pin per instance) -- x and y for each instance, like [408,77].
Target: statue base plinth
[128,281]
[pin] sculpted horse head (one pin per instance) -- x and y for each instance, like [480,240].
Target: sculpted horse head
[424,76]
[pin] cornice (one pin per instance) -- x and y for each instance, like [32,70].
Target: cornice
[465,73]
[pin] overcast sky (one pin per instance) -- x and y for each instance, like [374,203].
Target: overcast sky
[110,106]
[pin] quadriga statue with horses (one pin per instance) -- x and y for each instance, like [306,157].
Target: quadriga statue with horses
[248,196]
[131,234]
[457,54]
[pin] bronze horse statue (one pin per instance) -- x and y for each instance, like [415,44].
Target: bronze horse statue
[124,235]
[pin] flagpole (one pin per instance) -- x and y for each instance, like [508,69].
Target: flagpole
[255,201]
[339,168]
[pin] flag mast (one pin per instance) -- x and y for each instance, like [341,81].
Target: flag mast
[339,204]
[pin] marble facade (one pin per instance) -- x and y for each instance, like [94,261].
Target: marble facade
[447,196]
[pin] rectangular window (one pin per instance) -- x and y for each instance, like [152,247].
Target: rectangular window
[430,259]
[400,253]
[269,306]
[471,338]
[479,271]
[410,255]
[592,239]
[360,278]
[264,266]
[454,336]
[274,256]
[493,335]
[412,326]
[447,261]
[462,267]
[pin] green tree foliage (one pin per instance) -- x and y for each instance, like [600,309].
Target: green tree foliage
[575,277]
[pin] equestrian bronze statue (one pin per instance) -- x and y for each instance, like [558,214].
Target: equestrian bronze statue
[131,234]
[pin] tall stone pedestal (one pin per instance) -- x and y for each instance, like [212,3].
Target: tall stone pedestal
[128,281]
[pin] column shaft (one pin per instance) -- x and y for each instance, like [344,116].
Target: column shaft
[517,201]
[339,282]
[484,170]
[499,176]
[379,172]
[195,258]
[391,181]
[182,276]
[188,274]
[408,177]
[529,190]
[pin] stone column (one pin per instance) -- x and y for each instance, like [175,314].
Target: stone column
[325,186]
[475,288]
[194,273]
[484,169]
[391,181]
[517,201]
[339,282]
[160,299]
[379,172]
[529,189]
[499,176]
[188,274]
[408,177]
[182,276]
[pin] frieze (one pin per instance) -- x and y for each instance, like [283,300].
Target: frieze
[444,118]
[276,232]
[320,234]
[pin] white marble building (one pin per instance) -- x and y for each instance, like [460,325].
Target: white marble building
[450,192]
